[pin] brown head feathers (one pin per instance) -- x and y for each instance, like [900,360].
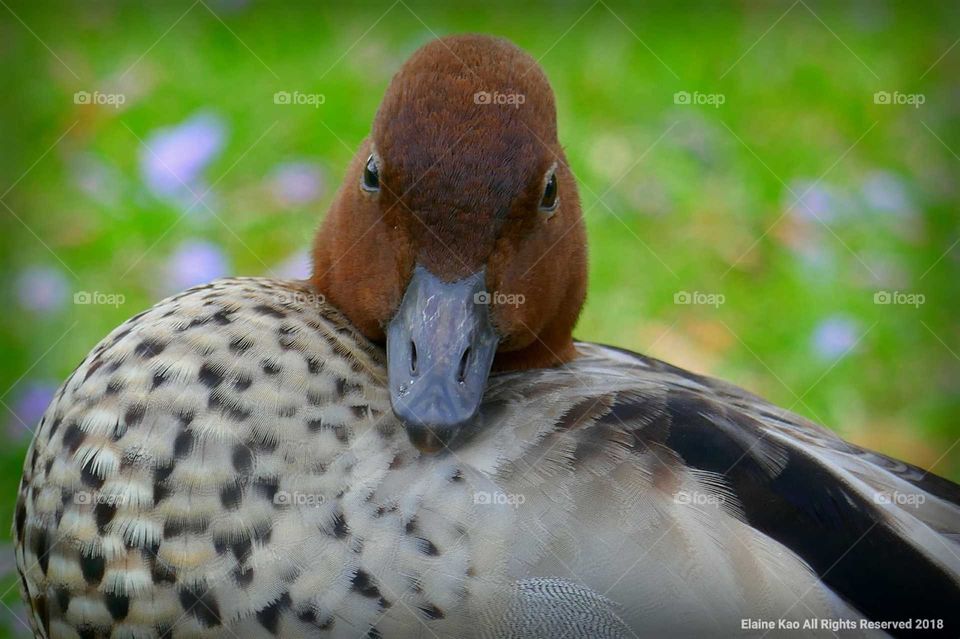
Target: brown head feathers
[463,171]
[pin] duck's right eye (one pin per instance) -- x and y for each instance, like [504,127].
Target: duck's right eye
[371,175]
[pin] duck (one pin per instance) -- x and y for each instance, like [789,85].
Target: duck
[411,443]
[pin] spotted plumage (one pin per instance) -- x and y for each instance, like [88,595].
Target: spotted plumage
[227,464]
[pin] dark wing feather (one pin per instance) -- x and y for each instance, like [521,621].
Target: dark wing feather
[776,463]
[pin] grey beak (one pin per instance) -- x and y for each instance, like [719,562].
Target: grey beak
[440,346]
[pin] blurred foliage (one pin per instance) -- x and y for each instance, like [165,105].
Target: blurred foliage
[798,199]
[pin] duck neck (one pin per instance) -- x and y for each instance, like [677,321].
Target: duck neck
[539,354]
[356,268]
[551,345]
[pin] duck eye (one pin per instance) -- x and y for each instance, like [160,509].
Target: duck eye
[548,202]
[371,175]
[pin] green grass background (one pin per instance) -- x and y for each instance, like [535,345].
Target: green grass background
[677,197]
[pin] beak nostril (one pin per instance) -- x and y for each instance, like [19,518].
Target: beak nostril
[440,348]
[464,360]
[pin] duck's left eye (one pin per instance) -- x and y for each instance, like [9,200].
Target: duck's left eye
[371,175]
[549,200]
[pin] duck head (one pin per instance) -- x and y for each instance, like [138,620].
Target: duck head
[457,236]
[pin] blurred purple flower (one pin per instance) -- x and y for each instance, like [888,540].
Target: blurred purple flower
[173,158]
[8,560]
[885,192]
[28,408]
[835,336]
[296,183]
[295,267]
[194,262]
[97,179]
[42,289]
[810,200]
[14,617]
